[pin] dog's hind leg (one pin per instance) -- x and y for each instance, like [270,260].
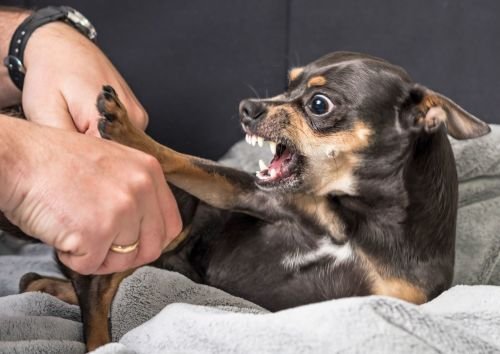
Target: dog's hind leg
[60,288]
[213,183]
[94,294]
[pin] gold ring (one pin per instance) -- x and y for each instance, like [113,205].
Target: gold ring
[124,249]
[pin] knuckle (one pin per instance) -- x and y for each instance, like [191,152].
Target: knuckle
[106,228]
[79,253]
[141,181]
[151,162]
[124,204]
[72,244]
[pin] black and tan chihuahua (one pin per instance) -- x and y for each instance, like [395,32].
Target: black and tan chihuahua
[359,199]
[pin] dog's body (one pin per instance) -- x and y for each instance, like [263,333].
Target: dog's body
[360,198]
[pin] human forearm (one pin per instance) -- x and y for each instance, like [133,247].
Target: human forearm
[10,19]
[12,131]
[64,71]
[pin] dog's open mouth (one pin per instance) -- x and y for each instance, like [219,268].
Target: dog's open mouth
[281,167]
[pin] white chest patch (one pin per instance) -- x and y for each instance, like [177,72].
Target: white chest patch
[326,249]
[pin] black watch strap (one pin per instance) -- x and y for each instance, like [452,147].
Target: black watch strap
[14,61]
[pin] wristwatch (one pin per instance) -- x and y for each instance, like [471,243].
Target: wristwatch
[14,61]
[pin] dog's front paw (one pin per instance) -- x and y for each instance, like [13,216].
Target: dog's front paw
[114,122]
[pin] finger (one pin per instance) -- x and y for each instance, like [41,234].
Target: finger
[152,237]
[152,232]
[77,255]
[171,215]
[169,210]
[167,206]
[118,262]
[82,264]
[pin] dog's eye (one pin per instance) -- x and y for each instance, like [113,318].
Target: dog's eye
[320,105]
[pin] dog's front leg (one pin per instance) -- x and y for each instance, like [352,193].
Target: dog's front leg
[213,183]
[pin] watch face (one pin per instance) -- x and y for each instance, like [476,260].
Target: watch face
[82,23]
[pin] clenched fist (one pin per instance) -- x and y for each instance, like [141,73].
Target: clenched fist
[82,194]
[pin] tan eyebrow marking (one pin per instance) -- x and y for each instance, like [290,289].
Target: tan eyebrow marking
[316,81]
[295,73]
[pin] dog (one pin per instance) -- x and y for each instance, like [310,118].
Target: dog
[359,199]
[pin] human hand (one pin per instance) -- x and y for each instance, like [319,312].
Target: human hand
[82,194]
[64,72]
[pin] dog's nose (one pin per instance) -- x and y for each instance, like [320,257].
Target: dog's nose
[251,110]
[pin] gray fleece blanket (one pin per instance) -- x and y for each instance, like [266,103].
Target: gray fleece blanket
[156,311]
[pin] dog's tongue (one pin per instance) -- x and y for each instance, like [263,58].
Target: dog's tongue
[278,161]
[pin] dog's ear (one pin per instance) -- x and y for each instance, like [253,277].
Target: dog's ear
[431,109]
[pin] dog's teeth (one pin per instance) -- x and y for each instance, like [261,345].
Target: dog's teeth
[248,139]
[262,165]
[260,141]
[254,140]
[272,145]
[273,173]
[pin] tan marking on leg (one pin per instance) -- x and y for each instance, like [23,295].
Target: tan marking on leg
[295,73]
[386,285]
[182,170]
[401,289]
[212,188]
[60,288]
[103,290]
[316,81]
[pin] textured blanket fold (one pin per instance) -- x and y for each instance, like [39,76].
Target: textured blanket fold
[156,311]
[453,323]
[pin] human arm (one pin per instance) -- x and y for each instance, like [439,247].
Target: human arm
[64,72]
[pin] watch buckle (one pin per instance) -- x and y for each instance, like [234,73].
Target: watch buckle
[12,62]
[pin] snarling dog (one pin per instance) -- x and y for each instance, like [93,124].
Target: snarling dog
[359,199]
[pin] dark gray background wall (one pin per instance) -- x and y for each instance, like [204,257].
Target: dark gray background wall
[190,62]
